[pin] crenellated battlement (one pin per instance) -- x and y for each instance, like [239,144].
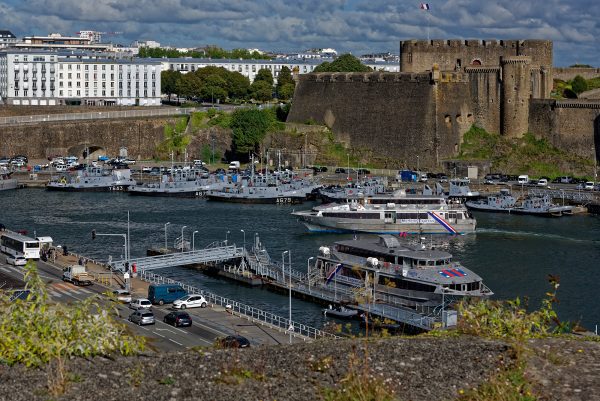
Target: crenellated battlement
[515,60]
[482,70]
[375,76]
[471,43]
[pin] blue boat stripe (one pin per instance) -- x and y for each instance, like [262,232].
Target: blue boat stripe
[443,222]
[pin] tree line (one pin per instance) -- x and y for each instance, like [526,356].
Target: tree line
[217,84]
[207,52]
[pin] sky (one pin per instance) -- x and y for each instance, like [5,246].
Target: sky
[356,26]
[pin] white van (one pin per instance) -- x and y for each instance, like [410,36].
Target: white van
[523,179]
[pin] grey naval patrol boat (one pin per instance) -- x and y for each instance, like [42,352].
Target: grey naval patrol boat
[94,179]
[399,213]
[6,182]
[396,273]
[181,184]
[504,202]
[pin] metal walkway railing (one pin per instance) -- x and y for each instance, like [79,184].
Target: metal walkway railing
[577,196]
[253,314]
[216,254]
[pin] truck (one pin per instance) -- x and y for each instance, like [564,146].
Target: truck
[406,176]
[77,275]
[165,293]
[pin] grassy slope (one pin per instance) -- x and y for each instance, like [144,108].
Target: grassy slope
[528,155]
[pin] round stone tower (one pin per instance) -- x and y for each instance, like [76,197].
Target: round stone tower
[516,90]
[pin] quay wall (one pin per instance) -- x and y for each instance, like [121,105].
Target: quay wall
[37,141]
[12,110]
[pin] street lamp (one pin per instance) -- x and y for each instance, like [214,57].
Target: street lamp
[194,240]
[308,270]
[182,228]
[348,171]
[291,328]
[166,244]
[418,167]
[226,235]
[244,238]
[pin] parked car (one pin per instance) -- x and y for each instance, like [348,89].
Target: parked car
[566,180]
[122,296]
[340,170]
[589,186]
[146,169]
[542,182]
[142,317]
[178,318]
[140,303]
[16,260]
[165,293]
[363,171]
[190,301]
[236,341]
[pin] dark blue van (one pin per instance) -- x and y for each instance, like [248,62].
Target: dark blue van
[165,293]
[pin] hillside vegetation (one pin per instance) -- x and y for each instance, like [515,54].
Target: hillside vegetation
[572,88]
[526,155]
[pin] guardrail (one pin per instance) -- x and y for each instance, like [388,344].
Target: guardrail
[96,115]
[253,314]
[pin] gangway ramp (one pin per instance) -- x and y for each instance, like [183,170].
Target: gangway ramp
[201,256]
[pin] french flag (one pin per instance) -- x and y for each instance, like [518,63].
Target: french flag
[332,274]
[424,6]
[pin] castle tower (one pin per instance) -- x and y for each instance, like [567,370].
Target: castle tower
[516,90]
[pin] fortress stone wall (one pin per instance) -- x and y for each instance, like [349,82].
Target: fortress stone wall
[566,74]
[37,141]
[445,87]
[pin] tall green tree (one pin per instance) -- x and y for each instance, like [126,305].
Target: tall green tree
[168,82]
[189,86]
[286,91]
[285,84]
[239,85]
[264,75]
[249,128]
[261,91]
[579,84]
[344,63]
[214,88]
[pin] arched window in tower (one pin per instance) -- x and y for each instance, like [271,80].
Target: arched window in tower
[476,62]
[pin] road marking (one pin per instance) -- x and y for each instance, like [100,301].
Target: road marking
[55,294]
[4,269]
[178,343]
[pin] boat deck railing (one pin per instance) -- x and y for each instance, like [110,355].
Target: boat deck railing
[576,196]
[296,329]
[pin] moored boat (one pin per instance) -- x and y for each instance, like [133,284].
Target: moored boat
[6,182]
[93,179]
[504,202]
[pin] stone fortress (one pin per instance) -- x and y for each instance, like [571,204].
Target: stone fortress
[444,87]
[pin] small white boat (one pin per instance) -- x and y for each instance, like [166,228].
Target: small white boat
[340,312]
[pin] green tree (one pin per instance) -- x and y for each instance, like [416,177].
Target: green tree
[285,77]
[214,88]
[261,91]
[239,85]
[168,82]
[189,86]
[264,75]
[286,91]
[579,84]
[344,63]
[249,128]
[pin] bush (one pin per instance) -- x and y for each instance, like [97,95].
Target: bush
[36,331]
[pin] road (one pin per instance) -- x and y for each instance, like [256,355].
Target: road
[161,335]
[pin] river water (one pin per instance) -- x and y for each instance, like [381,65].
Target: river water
[513,254]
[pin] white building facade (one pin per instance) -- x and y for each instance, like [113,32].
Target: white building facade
[50,78]
[249,68]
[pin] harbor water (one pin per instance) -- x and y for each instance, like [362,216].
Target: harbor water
[514,254]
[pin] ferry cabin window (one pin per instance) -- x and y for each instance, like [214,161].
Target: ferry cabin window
[472,286]
[352,215]
[407,285]
[376,201]
[413,216]
[382,257]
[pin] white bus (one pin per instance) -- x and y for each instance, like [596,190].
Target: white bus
[19,245]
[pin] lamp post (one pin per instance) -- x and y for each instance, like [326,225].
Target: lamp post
[308,270]
[182,228]
[418,167]
[348,171]
[194,240]
[291,328]
[166,244]
[226,235]
[244,232]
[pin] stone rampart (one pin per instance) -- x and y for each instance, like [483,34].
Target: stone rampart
[566,74]
[572,125]
[396,115]
[140,136]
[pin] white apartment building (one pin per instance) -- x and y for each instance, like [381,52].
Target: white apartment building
[51,78]
[249,68]
[7,39]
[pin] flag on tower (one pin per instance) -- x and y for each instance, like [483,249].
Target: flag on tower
[424,6]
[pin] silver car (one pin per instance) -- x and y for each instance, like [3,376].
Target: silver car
[142,317]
